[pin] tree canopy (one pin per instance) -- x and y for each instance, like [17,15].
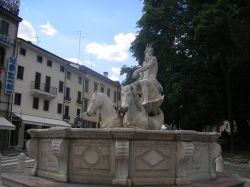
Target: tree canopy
[203,52]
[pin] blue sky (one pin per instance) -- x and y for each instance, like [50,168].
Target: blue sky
[107,29]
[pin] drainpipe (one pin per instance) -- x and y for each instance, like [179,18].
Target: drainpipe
[83,86]
[64,90]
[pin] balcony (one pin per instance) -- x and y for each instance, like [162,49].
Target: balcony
[43,90]
[67,98]
[10,6]
[79,102]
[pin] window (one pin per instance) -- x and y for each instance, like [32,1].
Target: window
[102,89]
[20,70]
[66,112]
[46,105]
[39,59]
[85,106]
[62,68]
[78,112]
[69,75]
[22,51]
[17,100]
[67,94]
[2,55]
[47,84]
[37,80]
[61,86]
[86,85]
[35,102]
[49,63]
[79,97]
[4,27]
[119,96]
[95,87]
[59,108]
[80,80]
[114,96]
[108,92]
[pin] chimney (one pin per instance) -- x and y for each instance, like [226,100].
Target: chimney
[105,74]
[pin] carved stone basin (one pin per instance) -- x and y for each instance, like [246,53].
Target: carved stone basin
[124,156]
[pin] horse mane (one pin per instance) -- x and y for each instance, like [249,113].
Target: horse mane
[104,96]
[136,96]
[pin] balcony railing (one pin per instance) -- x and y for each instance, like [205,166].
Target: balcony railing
[11,6]
[78,101]
[44,87]
[67,98]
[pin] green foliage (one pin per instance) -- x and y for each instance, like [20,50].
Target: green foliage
[203,52]
[129,72]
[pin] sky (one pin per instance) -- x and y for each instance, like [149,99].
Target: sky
[94,33]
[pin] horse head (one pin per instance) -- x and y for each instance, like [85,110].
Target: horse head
[94,103]
[129,97]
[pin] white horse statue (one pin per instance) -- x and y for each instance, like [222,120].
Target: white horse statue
[136,115]
[109,116]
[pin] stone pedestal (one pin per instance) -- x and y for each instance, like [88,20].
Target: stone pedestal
[126,157]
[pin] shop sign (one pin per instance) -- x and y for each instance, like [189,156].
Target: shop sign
[10,76]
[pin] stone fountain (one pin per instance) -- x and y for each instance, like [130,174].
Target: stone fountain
[129,149]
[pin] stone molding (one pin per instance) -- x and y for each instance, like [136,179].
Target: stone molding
[185,152]
[59,148]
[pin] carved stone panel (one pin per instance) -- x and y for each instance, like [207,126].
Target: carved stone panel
[47,161]
[90,159]
[152,158]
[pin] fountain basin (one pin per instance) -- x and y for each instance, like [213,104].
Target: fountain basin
[124,156]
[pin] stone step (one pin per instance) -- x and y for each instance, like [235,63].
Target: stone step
[18,180]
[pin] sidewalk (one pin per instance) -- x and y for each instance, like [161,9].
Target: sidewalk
[240,170]
[237,170]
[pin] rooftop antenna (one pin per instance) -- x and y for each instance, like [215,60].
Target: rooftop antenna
[91,62]
[37,39]
[79,35]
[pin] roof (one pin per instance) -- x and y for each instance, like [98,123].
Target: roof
[35,120]
[6,125]
[80,68]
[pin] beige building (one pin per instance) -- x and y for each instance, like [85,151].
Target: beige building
[51,91]
[9,21]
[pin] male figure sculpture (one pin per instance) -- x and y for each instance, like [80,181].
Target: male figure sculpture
[148,84]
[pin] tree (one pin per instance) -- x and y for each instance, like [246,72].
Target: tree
[203,52]
[129,72]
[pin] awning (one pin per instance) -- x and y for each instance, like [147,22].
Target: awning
[6,125]
[35,120]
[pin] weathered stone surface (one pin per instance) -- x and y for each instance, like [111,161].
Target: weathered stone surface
[124,156]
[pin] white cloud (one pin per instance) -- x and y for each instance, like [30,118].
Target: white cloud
[116,70]
[26,31]
[112,52]
[114,77]
[75,60]
[48,29]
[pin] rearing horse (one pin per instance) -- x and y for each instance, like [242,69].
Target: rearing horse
[136,116]
[109,117]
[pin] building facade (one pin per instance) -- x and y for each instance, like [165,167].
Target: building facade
[9,21]
[51,91]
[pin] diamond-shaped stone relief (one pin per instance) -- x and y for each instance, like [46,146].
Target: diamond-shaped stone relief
[153,158]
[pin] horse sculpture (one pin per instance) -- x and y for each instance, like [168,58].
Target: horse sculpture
[109,116]
[136,115]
